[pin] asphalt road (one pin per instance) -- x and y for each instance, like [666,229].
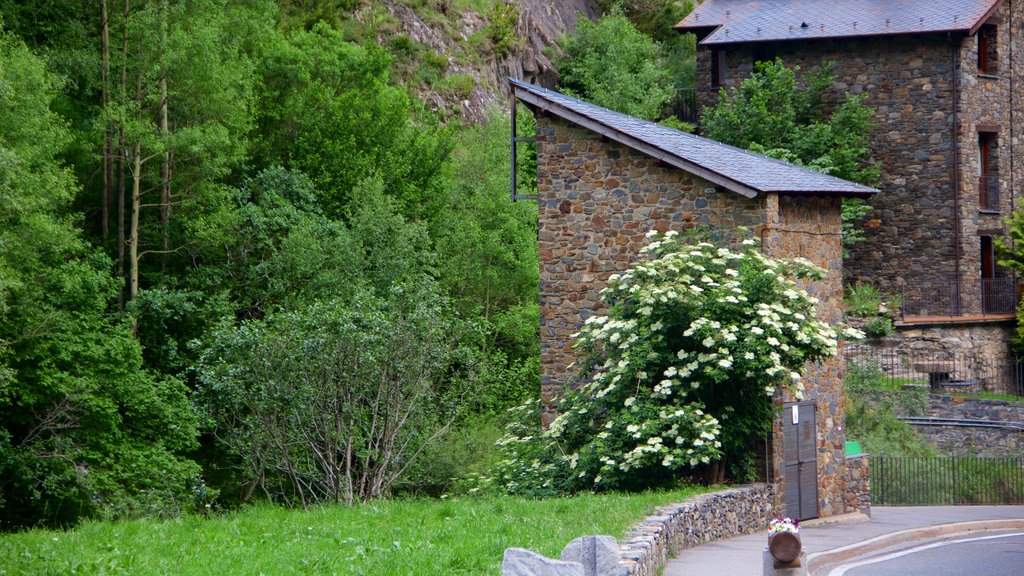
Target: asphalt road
[978,554]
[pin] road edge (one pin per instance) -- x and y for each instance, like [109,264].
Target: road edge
[819,560]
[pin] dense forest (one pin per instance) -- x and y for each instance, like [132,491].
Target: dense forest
[245,254]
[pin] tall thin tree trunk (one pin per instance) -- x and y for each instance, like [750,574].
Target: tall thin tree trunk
[133,236]
[108,169]
[165,169]
[122,148]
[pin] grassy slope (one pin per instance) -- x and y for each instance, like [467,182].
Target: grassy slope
[403,537]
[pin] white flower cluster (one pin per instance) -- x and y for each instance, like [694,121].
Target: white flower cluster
[685,320]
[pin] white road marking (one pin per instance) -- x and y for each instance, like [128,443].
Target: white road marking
[841,570]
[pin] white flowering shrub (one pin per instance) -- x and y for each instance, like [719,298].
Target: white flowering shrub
[680,372]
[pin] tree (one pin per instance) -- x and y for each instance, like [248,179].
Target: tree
[84,429]
[614,65]
[773,112]
[181,111]
[334,401]
[679,373]
[329,110]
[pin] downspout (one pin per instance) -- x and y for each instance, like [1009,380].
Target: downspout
[1013,159]
[953,49]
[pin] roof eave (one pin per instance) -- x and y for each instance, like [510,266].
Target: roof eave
[704,42]
[841,194]
[632,142]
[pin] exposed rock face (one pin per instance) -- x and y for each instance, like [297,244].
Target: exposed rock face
[540,24]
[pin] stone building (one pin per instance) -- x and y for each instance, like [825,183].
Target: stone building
[605,179]
[942,78]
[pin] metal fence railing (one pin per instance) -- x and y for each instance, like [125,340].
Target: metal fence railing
[684,105]
[964,298]
[939,371]
[924,481]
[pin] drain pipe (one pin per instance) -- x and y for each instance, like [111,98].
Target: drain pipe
[953,60]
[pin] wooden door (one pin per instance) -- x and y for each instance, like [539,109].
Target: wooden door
[800,453]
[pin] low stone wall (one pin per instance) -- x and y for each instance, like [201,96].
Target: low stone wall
[980,352]
[973,426]
[858,484]
[646,548]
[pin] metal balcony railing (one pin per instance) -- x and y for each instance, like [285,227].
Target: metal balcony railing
[988,191]
[684,105]
[970,298]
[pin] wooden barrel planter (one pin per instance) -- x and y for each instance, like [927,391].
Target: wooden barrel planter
[784,546]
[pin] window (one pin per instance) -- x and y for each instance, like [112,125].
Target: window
[763,53]
[988,173]
[718,66]
[988,55]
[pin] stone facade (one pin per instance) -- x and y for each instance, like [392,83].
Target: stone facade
[930,105]
[809,228]
[858,484]
[597,201]
[648,545]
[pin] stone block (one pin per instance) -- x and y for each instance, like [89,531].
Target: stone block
[799,568]
[523,562]
[599,555]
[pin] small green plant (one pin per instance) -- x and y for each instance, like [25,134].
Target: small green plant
[878,327]
[862,300]
[502,29]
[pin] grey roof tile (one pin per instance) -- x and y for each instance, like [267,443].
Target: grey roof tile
[736,21]
[726,164]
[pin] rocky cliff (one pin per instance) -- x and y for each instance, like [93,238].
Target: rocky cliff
[472,50]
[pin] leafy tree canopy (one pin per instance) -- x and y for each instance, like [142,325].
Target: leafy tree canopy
[776,113]
[612,64]
[85,429]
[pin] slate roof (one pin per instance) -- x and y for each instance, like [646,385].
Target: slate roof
[736,169]
[733,21]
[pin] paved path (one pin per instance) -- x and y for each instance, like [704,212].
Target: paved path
[741,556]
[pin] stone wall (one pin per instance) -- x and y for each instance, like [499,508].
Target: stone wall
[858,483]
[982,439]
[808,227]
[984,101]
[648,545]
[598,199]
[981,352]
[907,80]
[919,229]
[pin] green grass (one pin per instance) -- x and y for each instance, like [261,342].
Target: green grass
[397,537]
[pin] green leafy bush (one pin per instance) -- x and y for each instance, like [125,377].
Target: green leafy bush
[614,65]
[862,300]
[878,327]
[681,371]
[336,400]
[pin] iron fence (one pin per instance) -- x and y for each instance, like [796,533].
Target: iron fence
[939,371]
[988,191]
[932,481]
[966,298]
[684,104]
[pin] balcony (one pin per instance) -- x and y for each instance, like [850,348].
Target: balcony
[684,105]
[943,301]
[988,192]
